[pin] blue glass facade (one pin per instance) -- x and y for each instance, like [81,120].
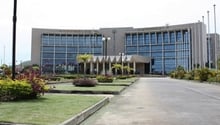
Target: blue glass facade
[59,51]
[167,49]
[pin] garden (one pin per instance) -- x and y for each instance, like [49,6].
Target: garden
[198,74]
[31,98]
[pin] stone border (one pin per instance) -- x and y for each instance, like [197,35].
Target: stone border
[77,119]
[86,92]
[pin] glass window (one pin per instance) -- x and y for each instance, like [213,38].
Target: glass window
[134,39]
[185,37]
[153,38]
[81,40]
[146,38]
[170,47]
[51,39]
[45,39]
[59,61]
[165,37]
[178,36]
[143,48]
[75,40]
[69,40]
[71,49]
[128,39]
[156,48]
[60,49]
[131,48]
[87,40]
[159,38]
[169,54]
[172,37]
[57,40]
[60,55]
[63,40]
[48,49]
[140,39]
[157,54]
[47,55]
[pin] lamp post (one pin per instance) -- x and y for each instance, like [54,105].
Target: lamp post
[216,48]
[121,55]
[209,42]
[14,39]
[105,39]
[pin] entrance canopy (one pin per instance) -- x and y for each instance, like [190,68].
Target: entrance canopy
[119,59]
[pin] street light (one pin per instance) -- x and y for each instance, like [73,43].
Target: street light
[121,55]
[105,39]
[14,39]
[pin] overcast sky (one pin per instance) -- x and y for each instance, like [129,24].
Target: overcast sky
[94,14]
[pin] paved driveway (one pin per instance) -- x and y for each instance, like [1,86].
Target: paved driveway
[162,101]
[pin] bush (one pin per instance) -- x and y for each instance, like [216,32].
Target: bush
[84,82]
[14,90]
[122,77]
[178,73]
[203,74]
[105,79]
[188,76]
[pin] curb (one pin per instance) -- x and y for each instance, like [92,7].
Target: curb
[85,92]
[77,119]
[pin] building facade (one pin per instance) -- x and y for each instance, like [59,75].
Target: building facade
[213,49]
[167,47]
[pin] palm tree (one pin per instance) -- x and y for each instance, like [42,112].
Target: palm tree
[117,67]
[128,69]
[83,58]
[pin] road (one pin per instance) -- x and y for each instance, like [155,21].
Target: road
[162,101]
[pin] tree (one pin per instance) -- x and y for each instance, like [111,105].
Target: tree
[117,67]
[83,58]
[128,69]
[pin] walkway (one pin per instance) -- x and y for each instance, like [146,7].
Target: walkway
[162,101]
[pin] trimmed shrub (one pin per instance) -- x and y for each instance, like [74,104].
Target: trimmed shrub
[14,90]
[105,79]
[203,74]
[178,73]
[188,76]
[122,77]
[84,82]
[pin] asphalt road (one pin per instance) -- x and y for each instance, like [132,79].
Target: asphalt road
[162,101]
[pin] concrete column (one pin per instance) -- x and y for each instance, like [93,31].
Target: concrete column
[134,67]
[128,64]
[91,68]
[97,68]
[110,67]
[103,67]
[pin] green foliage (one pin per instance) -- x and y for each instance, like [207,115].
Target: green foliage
[203,74]
[14,90]
[178,73]
[83,58]
[188,76]
[128,69]
[6,71]
[122,77]
[105,79]
[117,67]
[84,82]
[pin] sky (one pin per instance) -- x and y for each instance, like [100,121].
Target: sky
[94,14]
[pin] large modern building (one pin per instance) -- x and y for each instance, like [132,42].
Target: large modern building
[147,50]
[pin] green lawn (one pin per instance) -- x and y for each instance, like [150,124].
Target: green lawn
[51,109]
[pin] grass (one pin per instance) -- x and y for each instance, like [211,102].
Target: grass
[47,110]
